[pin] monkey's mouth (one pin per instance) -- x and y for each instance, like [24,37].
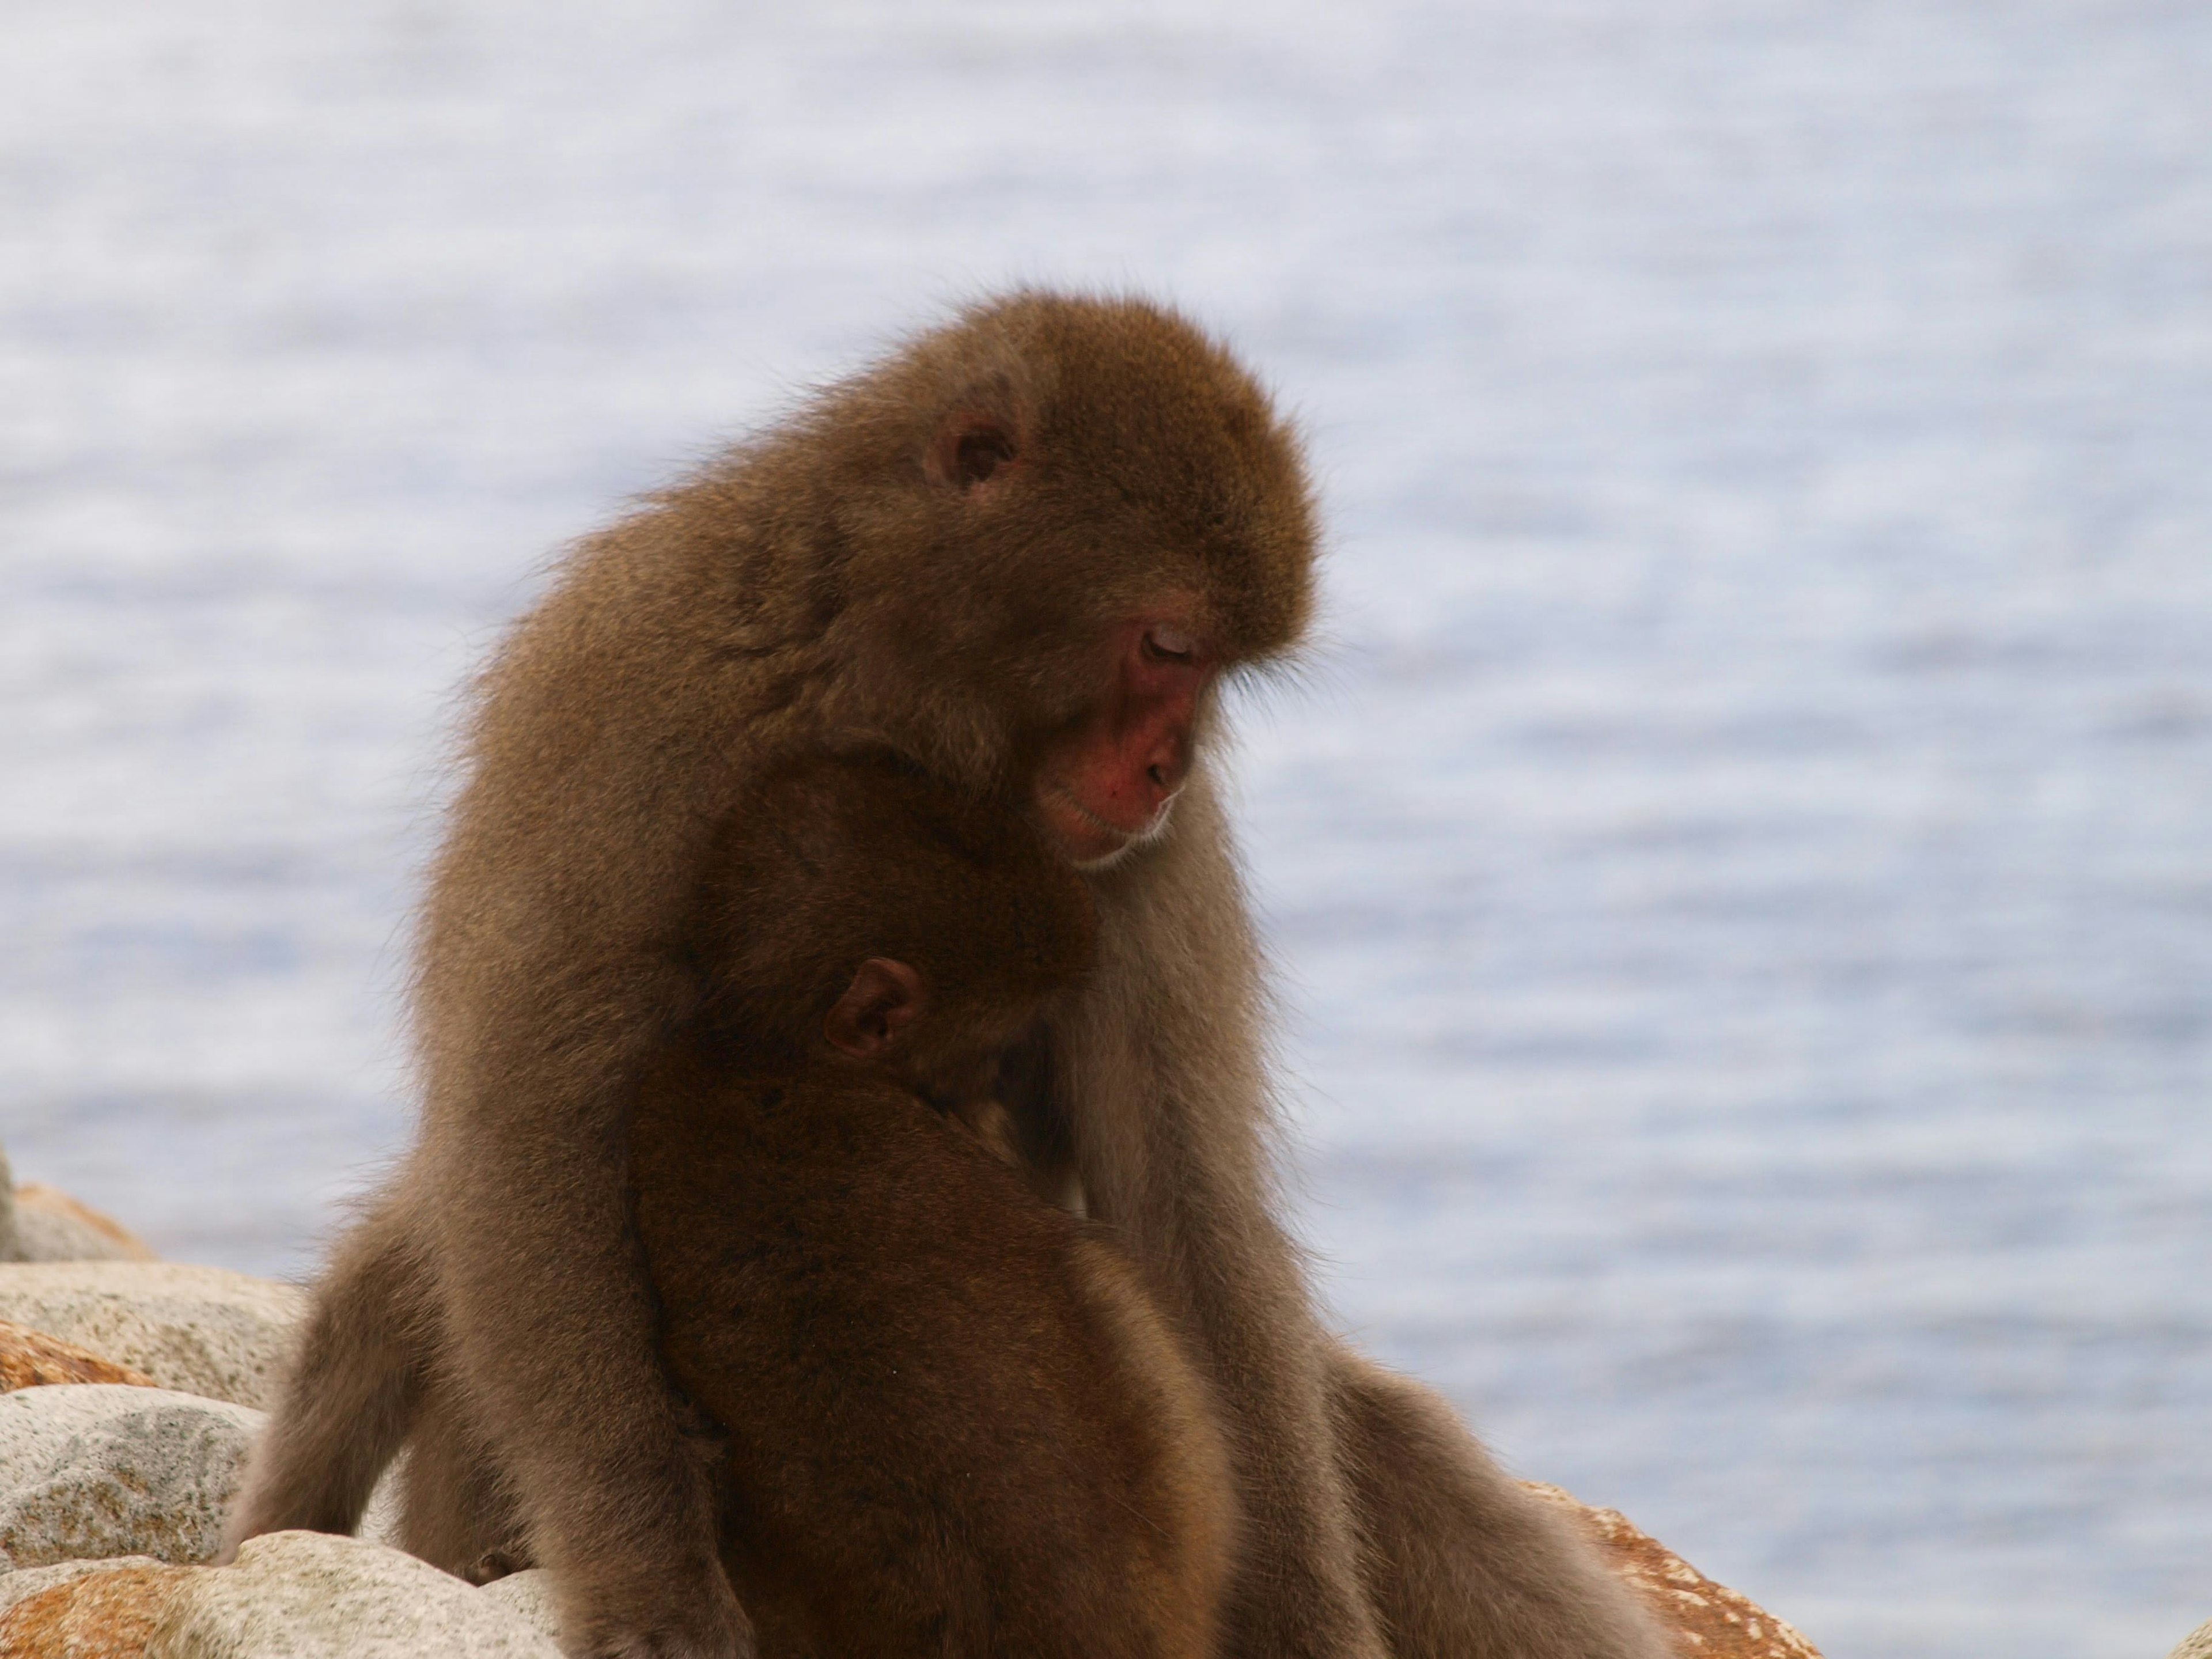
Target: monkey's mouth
[1089,841]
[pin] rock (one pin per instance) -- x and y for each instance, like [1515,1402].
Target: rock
[51,1226]
[2197,1644]
[93,1470]
[201,1330]
[309,1595]
[1708,1620]
[33,1581]
[30,1359]
[530,1595]
[291,1596]
[39,1223]
[88,1610]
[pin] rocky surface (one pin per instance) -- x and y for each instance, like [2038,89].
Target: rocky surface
[111,1611]
[305,1595]
[200,1330]
[31,1359]
[530,1597]
[39,1223]
[289,1596]
[92,1470]
[25,1583]
[2197,1644]
[129,1397]
[51,1226]
[1708,1620]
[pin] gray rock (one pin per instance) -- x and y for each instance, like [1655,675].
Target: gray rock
[201,1330]
[290,1595]
[43,1223]
[94,1470]
[2197,1644]
[111,1611]
[530,1596]
[51,1226]
[21,1586]
[310,1596]
[9,1249]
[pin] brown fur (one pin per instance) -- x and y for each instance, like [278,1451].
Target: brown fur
[357,1383]
[955,1424]
[924,560]
[1459,1559]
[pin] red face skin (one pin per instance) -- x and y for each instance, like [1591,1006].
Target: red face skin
[1105,786]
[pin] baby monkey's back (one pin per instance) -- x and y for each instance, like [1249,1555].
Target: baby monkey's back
[955,1421]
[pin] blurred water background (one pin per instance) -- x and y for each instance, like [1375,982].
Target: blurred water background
[1743,871]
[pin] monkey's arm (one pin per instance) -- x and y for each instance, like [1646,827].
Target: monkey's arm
[549,1313]
[1367,1507]
[1461,1562]
[553,967]
[1161,1070]
[1299,1592]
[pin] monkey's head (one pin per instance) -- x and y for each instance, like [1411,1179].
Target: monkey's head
[1053,527]
[889,920]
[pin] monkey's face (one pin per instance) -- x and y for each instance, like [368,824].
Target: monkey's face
[1059,522]
[1107,782]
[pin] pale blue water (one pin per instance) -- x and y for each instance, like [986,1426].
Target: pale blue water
[1743,877]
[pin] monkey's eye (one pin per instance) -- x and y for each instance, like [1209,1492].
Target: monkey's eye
[1169,645]
[979,454]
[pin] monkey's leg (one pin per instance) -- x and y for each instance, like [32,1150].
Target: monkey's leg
[353,1390]
[455,1510]
[1459,1562]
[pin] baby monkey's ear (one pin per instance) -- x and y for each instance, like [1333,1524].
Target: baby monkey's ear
[884,998]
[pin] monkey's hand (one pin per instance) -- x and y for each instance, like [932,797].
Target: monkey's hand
[661,1615]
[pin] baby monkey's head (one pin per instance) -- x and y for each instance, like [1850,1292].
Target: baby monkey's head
[885,921]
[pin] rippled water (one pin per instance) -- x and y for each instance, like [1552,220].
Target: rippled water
[1742,874]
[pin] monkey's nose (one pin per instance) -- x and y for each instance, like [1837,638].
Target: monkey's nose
[1164,767]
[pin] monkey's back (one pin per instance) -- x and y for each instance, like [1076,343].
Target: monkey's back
[955,1424]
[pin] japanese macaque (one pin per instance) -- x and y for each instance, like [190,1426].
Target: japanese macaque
[956,1423]
[1022,554]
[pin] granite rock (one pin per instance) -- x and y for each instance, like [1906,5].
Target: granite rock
[1708,1620]
[51,1226]
[31,1359]
[27,1581]
[309,1595]
[39,1223]
[93,1470]
[200,1330]
[529,1596]
[111,1610]
[2197,1644]
[290,1595]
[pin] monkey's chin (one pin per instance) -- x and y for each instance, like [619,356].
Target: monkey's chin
[1090,844]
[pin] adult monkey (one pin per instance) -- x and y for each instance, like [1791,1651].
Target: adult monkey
[1020,552]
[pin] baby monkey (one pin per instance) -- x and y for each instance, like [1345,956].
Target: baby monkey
[952,1420]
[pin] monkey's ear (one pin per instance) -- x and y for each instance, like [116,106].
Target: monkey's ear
[884,998]
[973,448]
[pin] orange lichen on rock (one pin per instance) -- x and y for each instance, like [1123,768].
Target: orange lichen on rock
[1708,1620]
[36,1195]
[102,1615]
[29,1359]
